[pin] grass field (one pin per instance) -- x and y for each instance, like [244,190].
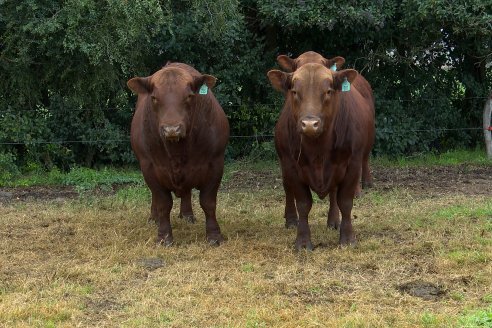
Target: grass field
[423,258]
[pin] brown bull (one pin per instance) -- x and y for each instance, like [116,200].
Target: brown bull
[364,88]
[179,133]
[321,137]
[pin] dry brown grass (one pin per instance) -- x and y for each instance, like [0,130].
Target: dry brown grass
[82,263]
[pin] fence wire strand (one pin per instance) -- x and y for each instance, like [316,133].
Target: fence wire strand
[257,136]
[114,109]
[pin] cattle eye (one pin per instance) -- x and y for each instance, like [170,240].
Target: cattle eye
[294,93]
[329,92]
[154,100]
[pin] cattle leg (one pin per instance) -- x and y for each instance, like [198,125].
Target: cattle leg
[345,199]
[153,211]
[304,202]
[208,202]
[185,209]
[333,212]
[366,173]
[290,213]
[163,208]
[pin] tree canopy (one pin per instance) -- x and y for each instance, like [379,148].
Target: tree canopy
[64,67]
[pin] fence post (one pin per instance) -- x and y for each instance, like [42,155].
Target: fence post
[487,126]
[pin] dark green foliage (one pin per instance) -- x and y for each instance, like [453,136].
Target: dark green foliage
[64,67]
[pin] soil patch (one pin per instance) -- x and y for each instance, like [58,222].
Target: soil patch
[462,179]
[425,290]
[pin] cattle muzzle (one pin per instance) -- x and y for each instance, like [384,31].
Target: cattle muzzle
[172,133]
[311,126]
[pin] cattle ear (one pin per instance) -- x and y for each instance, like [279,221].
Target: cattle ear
[340,76]
[206,79]
[286,63]
[139,85]
[280,80]
[210,80]
[337,61]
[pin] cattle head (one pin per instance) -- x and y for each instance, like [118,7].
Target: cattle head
[313,93]
[171,94]
[291,64]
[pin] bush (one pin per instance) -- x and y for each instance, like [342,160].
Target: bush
[8,168]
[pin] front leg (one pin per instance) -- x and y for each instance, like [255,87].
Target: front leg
[208,202]
[345,198]
[304,202]
[185,209]
[163,206]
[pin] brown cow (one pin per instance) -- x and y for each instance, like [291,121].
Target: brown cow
[364,88]
[179,133]
[320,137]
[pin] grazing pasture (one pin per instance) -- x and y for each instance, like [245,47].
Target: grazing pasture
[423,257]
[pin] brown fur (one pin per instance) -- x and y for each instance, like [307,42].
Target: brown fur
[189,157]
[364,88]
[328,162]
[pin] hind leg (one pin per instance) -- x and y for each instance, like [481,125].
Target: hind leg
[366,173]
[185,209]
[333,212]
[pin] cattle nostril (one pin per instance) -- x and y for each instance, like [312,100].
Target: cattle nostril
[310,124]
[172,130]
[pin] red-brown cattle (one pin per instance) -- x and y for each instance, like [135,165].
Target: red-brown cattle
[335,63]
[179,134]
[364,88]
[321,137]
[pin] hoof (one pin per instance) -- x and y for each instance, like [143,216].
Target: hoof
[215,239]
[291,223]
[167,241]
[347,241]
[303,244]
[190,218]
[333,224]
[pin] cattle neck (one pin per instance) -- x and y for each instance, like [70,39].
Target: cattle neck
[315,147]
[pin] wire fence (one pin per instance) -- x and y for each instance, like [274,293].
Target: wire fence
[114,109]
[255,136]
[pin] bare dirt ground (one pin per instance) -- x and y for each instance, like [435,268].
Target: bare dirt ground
[463,179]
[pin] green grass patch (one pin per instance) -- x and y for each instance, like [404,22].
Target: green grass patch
[477,318]
[463,257]
[454,157]
[80,177]
[469,210]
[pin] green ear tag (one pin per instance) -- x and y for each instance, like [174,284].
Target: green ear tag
[203,89]
[345,86]
[334,68]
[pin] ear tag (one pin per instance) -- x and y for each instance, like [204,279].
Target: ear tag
[334,68]
[345,86]
[203,89]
